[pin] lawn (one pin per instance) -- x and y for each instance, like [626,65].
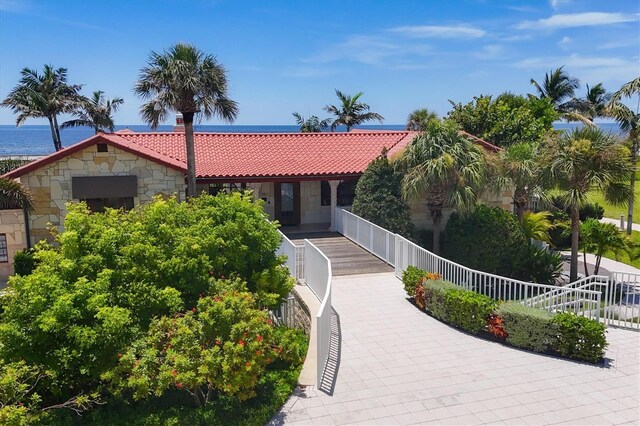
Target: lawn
[624,257]
[614,212]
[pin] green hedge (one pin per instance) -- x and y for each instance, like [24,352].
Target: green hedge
[528,328]
[579,337]
[461,308]
[411,277]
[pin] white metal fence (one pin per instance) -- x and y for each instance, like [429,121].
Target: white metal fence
[614,300]
[295,256]
[317,274]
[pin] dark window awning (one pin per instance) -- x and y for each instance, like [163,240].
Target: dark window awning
[83,187]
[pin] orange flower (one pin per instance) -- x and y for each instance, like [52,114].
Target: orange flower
[241,342]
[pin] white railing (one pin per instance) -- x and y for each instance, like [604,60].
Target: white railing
[317,274]
[404,253]
[295,256]
[370,236]
[622,300]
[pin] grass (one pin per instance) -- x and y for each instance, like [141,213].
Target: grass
[612,211]
[624,257]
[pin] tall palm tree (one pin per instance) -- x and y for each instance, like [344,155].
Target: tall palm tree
[629,122]
[596,102]
[518,167]
[419,119]
[186,80]
[44,95]
[444,167]
[95,112]
[351,112]
[560,89]
[583,159]
[312,124]
[14,195]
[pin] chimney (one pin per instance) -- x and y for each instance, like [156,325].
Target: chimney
[179,126]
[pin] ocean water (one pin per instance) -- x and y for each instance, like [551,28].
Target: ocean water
[36,140]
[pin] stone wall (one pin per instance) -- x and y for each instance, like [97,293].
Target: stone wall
[311,210]
[51,184]
[11,224]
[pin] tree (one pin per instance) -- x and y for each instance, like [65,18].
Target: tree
[419,119]
[95,112]
[445,168]
[186,80]
[312,124]
[14,195]
[351,112]
[629,122]
[596,102]
[43,95]
[379,200]
[560,89]
[580,160]
[598,238]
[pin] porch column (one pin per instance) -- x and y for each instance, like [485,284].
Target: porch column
[333,184]
[255,186]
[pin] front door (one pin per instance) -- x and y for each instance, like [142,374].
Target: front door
[287,200]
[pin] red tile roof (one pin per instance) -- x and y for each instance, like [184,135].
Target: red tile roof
[252,155]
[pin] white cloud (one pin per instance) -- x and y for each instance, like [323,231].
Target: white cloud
[565,42]
[620,44]
[577,20]
[574,61]
[440,31]
[557,3]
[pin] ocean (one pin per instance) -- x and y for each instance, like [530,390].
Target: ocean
[36,140]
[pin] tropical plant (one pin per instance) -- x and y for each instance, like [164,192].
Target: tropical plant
[312,124]
[419,119]
[8,164]
[95,112]
[44,95]
[580,160]
[186,80]
[598,238]
[518,168]
[445,168]
[596,102]
[379,199]
[14,195]
[536,226]
[350,111]
[560,89]
[629,122]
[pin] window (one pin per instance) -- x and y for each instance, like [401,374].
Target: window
[345,194]
[102,147]
[4,255]
[97,205]
[215,188]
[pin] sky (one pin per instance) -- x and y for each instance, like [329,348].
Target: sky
[286,56]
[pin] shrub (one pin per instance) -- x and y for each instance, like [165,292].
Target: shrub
[411,277]
[495,326]
[526,327]
[560,231]
[541,266]
[586,211]
[378,198]
[419,298]
[24,262]
[579,337]
[487,239]
[464,309]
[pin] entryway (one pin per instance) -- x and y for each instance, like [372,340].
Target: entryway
[287,202]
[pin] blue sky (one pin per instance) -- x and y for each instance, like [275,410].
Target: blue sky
[285,56]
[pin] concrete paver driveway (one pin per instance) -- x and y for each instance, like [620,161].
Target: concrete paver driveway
[397,365]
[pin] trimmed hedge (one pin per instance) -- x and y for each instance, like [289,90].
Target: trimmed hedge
[565,334]
[526,327]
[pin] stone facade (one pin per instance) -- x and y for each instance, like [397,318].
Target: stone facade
[12,225]
[51,184]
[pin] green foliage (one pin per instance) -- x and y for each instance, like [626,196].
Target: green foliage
[528,328]
[588,210]
[599,238]
[8,164]
[536,225]
[378,198]
[222,346]
[560,230]
[24,262]
[540,266]
[411,277]
[580,337]
[506,120]
[464,309]
[487,239]
[17,398]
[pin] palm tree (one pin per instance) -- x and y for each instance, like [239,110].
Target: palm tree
[518,167]
[578,161]
[43,95]
[629,122]
[188,81]
[95,112]
[446,168]
[598,238]
[596,102]
[560,89]
[14,195]
[536,226]
[312,124]
[419,119]
[351,112]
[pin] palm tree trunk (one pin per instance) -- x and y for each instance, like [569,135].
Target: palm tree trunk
[634,161]
[191,153]
[597,267]
[586,271]
[55,125]
[437,222]
[520,211]
[53,134]
[575,236]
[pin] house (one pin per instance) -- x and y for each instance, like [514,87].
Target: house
[301,177]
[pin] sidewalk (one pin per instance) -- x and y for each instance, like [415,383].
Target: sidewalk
[634,226]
